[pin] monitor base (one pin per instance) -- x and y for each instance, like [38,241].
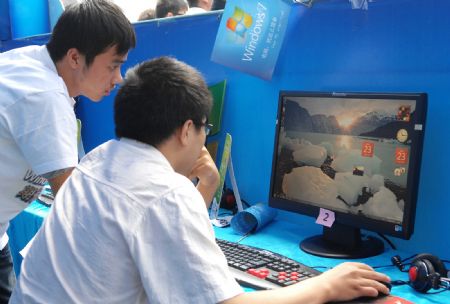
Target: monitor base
[318,246]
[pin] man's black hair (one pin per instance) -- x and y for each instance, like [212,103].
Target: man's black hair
[218,5]
[159,96]
[92,27]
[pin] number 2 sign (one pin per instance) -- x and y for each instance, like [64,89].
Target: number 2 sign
[325,218]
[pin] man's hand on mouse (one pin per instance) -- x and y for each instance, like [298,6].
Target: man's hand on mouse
[353,280]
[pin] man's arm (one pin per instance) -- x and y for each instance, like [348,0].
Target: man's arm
[208,176]
[57,178]
[344,282]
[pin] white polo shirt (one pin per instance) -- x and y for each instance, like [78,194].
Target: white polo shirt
[126,228]
[38,130]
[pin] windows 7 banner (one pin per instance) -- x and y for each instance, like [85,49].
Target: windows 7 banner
[250,35]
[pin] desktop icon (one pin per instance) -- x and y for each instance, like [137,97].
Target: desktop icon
[401,156]
[398,228]
[404,113]
[367,149]
[402,135]
[399,171]
[358,170]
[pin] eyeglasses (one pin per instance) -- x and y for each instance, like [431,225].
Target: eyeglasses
[208,128]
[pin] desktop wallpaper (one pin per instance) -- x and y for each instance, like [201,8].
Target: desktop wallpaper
[345,154]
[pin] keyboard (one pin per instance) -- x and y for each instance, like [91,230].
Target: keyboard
[263,269]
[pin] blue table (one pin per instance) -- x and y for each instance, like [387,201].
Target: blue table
[284,238]
[279,236]
[22,229]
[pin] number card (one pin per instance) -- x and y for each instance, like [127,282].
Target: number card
[325,218]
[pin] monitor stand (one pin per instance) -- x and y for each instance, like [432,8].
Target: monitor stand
[342,242]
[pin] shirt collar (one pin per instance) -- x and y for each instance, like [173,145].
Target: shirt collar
[147,149]
[48,62]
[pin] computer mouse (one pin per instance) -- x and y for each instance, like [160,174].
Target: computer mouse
[388,285]
[369,300]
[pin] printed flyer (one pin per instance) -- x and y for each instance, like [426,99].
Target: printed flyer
[250,35]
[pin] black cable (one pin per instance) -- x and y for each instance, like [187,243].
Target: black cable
[399,282]
[381,266]
[245,203]
[387,241]
[316,267]
[409,258]
[384,266]
[397,262]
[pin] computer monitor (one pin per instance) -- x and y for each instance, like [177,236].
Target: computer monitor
[354,156]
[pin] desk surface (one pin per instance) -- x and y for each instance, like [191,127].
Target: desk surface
[279,236]
[22,228]
[284,238]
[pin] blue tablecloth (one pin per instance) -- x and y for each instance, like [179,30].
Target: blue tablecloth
[22,229]
[284,237]
[279,236]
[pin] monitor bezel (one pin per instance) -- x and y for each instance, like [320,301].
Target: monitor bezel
[365,223]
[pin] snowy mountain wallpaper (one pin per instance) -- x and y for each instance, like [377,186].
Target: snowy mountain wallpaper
[345,154]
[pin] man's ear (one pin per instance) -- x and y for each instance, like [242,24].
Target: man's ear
[184,132]
[74,58]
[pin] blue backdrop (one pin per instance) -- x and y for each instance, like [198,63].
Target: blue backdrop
[395,46]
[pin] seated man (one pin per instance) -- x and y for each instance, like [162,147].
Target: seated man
[129,226]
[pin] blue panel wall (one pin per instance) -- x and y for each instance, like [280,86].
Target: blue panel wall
[395,46]
[28,18]
[5,26]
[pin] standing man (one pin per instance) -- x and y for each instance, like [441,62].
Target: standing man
[129,226]
[38,129]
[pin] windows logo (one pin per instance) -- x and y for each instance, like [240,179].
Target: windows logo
[239,22]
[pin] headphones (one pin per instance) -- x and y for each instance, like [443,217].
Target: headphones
[426,272]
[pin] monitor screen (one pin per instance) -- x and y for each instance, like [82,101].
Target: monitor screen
[355,157]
